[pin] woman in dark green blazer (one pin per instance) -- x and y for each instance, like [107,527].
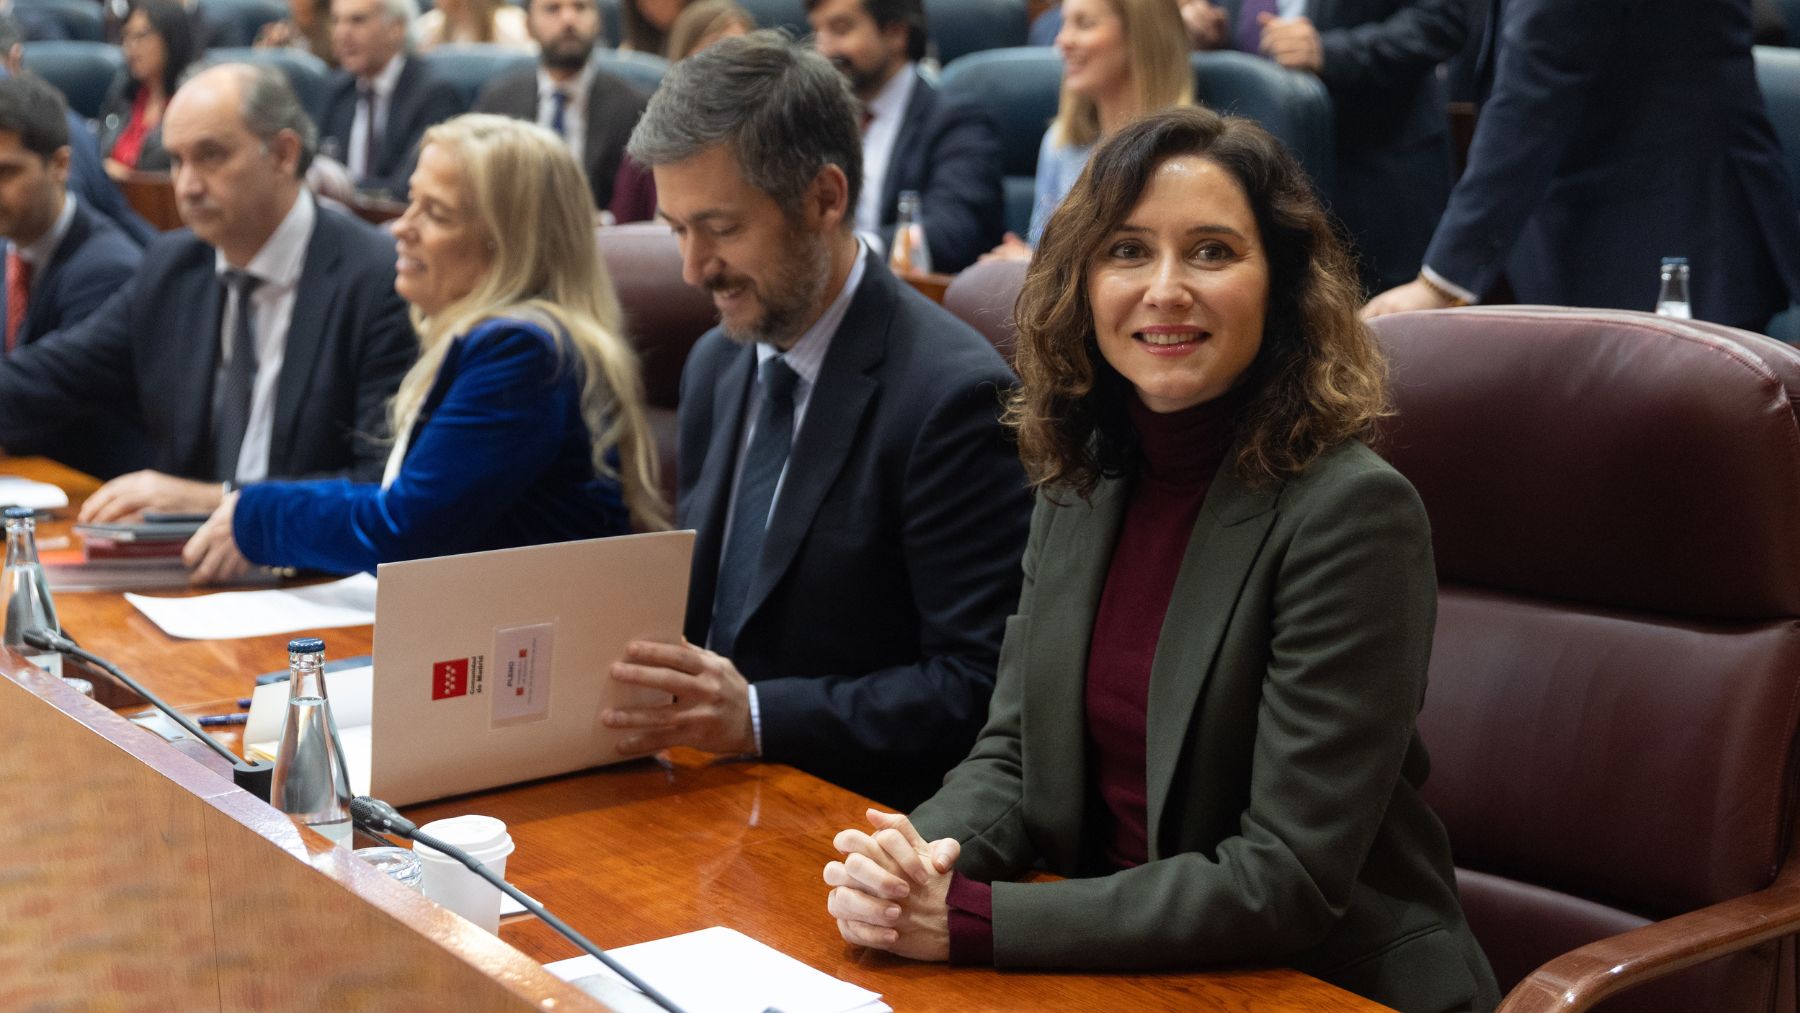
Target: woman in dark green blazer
[1205,711]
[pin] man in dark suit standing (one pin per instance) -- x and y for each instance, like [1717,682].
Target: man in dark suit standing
[382,100]
[946,150]
[1613,134]
[264,343]
[567,92]
[861,513]
[1379,60]
[62,261]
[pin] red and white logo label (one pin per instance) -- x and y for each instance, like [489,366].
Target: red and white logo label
[450,678]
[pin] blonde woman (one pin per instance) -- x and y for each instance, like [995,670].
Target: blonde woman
[522,422]
[489,21]
[1121,59]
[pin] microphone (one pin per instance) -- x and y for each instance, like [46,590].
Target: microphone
[254,776]
[377,817]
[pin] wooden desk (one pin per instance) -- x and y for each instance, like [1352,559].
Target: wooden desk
[632,852]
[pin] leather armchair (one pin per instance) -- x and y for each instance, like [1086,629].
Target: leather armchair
[664,316]
[1615,684]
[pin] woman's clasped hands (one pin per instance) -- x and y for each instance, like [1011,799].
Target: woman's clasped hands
[889,891]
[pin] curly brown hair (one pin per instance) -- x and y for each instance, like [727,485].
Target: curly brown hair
[1317,381]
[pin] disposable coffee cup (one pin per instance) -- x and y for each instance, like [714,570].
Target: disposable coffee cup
[450,883]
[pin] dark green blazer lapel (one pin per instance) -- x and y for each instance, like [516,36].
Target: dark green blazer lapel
[1228,537]
[1071,575]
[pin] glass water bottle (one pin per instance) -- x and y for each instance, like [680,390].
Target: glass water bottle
[27,593]
[311,782]
[1672,297]
[910,252]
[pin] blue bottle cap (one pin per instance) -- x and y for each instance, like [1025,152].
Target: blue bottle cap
[18,513]
[306,645]
[1672,261]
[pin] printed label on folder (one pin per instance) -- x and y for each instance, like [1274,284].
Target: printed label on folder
[522,673]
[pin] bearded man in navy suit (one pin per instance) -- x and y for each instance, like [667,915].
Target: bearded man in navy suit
[860,512]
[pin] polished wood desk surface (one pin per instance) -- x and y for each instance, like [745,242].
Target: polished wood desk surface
[650,849]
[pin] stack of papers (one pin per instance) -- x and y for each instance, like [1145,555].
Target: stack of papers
[740,975]
[231,614]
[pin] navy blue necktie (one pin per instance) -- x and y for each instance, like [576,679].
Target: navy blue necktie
[559,105]
[767,455]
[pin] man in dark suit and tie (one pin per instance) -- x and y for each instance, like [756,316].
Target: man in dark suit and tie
[264,343]
[1379,60]
[382,100]
[567,92]
[861,513]
[62,261]
[946,150]
[1613,134]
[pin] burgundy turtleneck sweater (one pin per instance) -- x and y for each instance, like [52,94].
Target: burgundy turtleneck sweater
[1179,452]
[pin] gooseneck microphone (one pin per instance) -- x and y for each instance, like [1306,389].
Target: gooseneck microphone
[254,776]
[377,817]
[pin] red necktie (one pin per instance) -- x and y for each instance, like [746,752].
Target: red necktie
[867,118]
[18,290]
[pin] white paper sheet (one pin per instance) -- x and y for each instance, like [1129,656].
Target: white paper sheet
[17,491]
[231,614]
[741,976]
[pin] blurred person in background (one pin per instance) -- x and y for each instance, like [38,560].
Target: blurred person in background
[158,43]
[914,138]
[1121,59]
[705,23]
[306,28]
[647,23]
[492,22]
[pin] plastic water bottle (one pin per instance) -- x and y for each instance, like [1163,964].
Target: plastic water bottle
[1672,298]
[311,782]
[911,254]
[27,593]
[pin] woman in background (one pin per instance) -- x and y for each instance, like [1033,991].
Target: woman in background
[158,44]
[522,422]
[1205,712]
[705,23]
[495,22]
[1121,60]
[645,24]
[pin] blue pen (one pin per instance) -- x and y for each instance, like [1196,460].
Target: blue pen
[214,720]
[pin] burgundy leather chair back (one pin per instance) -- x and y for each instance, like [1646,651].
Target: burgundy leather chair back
[982,297]
[1615,683]
[664,316]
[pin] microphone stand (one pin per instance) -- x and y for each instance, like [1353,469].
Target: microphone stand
[254,776]
[377,817]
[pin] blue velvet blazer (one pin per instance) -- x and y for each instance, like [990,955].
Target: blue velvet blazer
[499,457]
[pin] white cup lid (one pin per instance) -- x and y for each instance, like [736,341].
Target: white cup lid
[479,835]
